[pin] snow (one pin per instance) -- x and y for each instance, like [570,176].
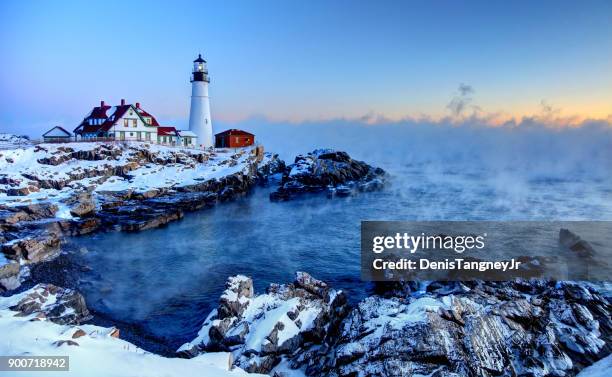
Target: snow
[10,141]
[602,368]
[264,325]
[381,315]
[187,133]
[284,369]
[98,353]
[21,168]
[302,167]
[261,314]
[3,260]
[203,336]
[56,132]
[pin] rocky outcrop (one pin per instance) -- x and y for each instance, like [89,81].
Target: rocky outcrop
[82,204]
[526,328]
[328,170]
[75,204]
[9,275]
[262,329]
[15,214]
[484,329]
[33,248]
[59,305]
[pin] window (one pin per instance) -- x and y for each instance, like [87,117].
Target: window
[134,122]
[148,120]
[131,134]
[148,135]
[125,122]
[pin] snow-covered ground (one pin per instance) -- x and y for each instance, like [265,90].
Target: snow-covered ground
[27,175]
[10,141]
[602,368]
[96,353]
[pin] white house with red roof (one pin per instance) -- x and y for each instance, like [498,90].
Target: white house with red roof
[127,122]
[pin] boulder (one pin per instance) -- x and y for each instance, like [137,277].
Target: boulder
[33,248]
[326,169]
[82,205]
[489,330]
[31,212]
[59,305]
[9,275]
[261,329]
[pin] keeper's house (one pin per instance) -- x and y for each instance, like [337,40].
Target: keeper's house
[128,122]
[234,138]
[57,135]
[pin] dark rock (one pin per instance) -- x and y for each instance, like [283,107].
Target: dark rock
[330,170]
[573,242]
[15,214]
[9,276]
[488,330]
[60,343]
[291,317]
[59,305]
[79,333]
[82,205]
[32,249]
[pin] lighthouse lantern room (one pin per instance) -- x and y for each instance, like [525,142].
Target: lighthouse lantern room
[199,114]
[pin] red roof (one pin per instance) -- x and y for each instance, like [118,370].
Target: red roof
[166,131]
[100,112]
[145,114]
[234,131]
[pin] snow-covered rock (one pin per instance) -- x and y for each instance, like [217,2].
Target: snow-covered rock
[10,141]
[55,304]
[45,321]
[52,190]
[262,329]
[489,329]
[527,328]
[326,169]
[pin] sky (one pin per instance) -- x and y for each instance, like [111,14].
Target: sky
[307,61]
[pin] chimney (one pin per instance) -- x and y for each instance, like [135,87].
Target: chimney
[102,103]
[138,105]
[122,102]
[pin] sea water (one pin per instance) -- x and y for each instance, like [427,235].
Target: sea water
[165,281]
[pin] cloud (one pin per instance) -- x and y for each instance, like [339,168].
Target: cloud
[462,100]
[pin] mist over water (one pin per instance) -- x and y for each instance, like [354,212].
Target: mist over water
[168,279]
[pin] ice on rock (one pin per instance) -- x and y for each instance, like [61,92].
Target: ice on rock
[259,329]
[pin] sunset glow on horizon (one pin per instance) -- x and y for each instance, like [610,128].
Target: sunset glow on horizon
[309,62]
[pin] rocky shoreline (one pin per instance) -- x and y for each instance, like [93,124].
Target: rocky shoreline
[536,328]
[65,190]
[306,327]
[60,198]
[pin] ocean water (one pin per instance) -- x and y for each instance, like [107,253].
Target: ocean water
[165,281]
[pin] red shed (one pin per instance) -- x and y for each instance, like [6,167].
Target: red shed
[234,138]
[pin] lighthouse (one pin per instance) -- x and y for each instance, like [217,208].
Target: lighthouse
[199,113]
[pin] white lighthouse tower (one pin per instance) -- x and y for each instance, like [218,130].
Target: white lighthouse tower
[199,114]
